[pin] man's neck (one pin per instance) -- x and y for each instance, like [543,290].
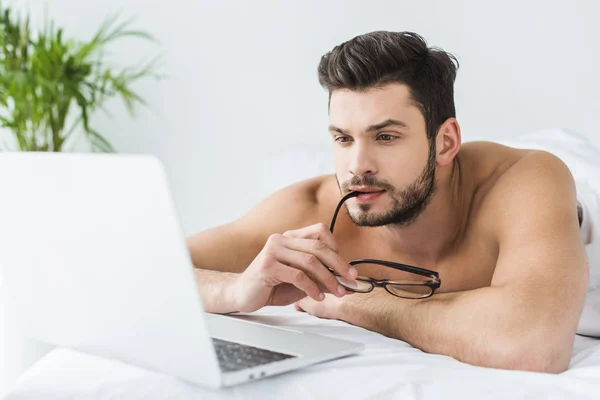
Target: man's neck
[437,229]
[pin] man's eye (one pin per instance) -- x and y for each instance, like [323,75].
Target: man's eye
[385,137]
[342,139]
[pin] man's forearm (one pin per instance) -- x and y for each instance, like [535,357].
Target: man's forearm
[468,326]
[216,290]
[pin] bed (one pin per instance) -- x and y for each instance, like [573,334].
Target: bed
[387,368]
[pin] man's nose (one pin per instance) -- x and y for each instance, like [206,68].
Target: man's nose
[362,162]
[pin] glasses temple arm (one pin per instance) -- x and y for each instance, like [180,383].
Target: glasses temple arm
[337,209]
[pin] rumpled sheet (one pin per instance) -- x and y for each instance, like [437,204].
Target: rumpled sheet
[387,368]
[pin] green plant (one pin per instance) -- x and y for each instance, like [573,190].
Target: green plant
[48,82]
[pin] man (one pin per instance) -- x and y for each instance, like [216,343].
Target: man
[499,225]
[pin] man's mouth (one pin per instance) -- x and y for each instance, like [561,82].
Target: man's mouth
[365,189]
[368,194]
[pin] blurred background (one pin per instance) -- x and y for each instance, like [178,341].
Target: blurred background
[240,88]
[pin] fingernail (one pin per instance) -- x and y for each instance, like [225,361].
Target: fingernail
[341,289]
[353,272]
[321,296]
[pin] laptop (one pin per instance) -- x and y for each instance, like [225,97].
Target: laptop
[94,259]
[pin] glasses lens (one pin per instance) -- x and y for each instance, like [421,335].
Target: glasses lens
[410,291]
[356,285]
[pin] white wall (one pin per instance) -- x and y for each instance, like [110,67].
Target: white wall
[242,79]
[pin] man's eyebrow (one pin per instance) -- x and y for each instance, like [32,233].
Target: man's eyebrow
[333,128]
[385,124]
[372,128]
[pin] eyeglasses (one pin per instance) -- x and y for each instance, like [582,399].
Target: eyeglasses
[405,289]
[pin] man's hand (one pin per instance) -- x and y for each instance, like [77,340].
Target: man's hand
[343,308]
[330,308]
[290,267]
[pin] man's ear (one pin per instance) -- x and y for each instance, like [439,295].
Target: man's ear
[448,141]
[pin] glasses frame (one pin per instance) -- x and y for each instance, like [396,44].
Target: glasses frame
[433,283]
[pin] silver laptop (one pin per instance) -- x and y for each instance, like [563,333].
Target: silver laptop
[94,259]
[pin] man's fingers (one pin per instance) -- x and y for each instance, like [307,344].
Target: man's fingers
[317,231]
[313,266]
[299,279]
[320,250]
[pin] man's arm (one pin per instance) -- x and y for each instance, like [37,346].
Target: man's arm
[217,290]
[528,316]
[232,247]
[270,256]
[220,254]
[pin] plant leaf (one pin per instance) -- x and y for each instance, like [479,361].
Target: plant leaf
[100,143]
[47,80]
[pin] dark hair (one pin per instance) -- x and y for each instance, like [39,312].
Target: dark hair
[378,58]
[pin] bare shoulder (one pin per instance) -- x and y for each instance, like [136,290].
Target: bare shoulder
[300,204]
[515,183]
[532,184]
[232,246]
[531,211]
[501,173]
[526,207]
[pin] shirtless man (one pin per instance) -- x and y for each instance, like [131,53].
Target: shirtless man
[499,225]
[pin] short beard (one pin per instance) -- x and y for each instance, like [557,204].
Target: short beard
[413,199]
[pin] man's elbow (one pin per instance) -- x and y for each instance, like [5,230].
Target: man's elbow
[538,358]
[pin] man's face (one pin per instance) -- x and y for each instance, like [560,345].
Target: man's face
[381,147]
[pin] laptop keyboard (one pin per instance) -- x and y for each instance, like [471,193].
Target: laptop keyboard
[235,356]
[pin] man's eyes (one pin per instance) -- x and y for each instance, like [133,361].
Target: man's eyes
[384,137]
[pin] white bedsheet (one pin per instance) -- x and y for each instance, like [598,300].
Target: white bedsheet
[387,368]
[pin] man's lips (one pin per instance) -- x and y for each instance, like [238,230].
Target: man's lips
[367,195]
[366,189]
